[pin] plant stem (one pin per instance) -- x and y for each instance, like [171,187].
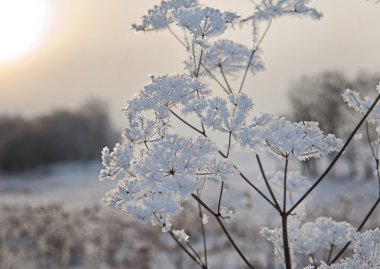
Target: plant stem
[201,264]
[225,78]
[253,54]
[257,190]
[220,222]
[267,182]
[336,157]
[215,79]
[188,124]
[330,253]
[203,234]
[177,37]
[220,197]
[284,221]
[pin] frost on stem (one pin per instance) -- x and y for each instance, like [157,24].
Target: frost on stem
[366,253]
[181,235]
[226,214]
[270,9]
[353,100]
[160,16]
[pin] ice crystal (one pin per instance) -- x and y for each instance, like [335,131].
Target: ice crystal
[205,22]
[160,16]
[353,100]
[227,214]
[181,235]
[270,9]
[301,140]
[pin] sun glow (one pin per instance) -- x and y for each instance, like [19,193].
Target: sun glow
[22,26]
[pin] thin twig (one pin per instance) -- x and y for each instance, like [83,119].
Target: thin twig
[375,157]
[229,144]
[257,189]
[220,196]
[330,253]
[336,157]
[253,54]
[199,64]
[267,182]
[187,251]
[188,124]
[203,234]
[177,37]
[225,78]
[194,258]
[217,217]
[215,78]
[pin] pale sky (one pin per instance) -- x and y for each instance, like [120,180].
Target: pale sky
[87,49]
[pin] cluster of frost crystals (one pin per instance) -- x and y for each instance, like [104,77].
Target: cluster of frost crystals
[270,9]
[353,100]
[165,92]
[116,163]
[251,136]
[205,22]
[160,16]
[230,58]
[309,237]
[366,253]
[300,140]
[159,178]
[227,116]
[321,234]
[227,214]
[181,235]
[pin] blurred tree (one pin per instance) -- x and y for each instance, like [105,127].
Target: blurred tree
[61,136]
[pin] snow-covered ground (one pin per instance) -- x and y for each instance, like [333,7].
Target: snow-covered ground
[72,185]
[77,185]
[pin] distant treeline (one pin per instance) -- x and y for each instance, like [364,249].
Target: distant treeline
[58,137]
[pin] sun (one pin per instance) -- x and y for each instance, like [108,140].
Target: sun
[23,24]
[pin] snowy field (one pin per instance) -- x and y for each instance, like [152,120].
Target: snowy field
[75,186]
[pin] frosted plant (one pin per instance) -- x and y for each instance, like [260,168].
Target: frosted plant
[229,58]
[310,237]
[301,140]
[353,100]
[160,16]
[205,22]
[269,9]
[168,154]
[366,253]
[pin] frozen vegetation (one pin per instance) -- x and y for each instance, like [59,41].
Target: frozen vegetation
[219,181]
